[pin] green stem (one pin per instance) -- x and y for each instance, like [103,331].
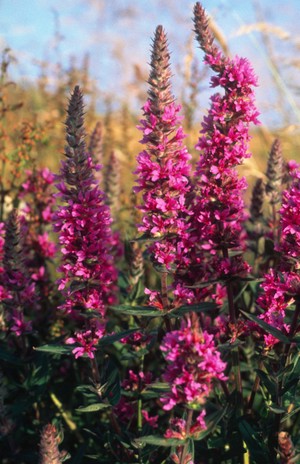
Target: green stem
[294,323]
[95,371]
[187,431]
[292,331]
[164,297]
[164,290]
[254,388]
[235,350]
[140,403]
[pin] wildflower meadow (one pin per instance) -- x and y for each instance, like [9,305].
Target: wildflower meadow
[156,323]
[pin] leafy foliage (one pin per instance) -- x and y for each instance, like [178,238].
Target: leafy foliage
[191,353]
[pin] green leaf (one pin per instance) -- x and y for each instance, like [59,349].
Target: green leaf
[157,441]
[84,388]
[254,442]
[137,292]
[155,390]
[112,379]
[77,285]
[55,349]
[146,238]
[291,381]
[110,339]
[227,346]
[211,422]
[196,308]
[123,282]
[93,407]
[268,382]
[290,414]
[148,311]
[267,328]
[159,387]
[276,409]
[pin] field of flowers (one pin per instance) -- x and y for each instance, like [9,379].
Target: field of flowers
[155,324]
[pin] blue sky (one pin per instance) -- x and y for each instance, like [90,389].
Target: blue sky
[117,35]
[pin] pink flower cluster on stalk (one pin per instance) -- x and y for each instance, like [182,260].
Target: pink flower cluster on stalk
[281,288]
[179,426]
[126,409]
[216,225]
[193,364]
[38,211]
[163,167]
[219,207]
[83,223]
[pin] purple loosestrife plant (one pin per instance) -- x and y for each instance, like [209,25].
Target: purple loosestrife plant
[37,212]
[216,228]
[219,208]
[83,223]
[281,288]
[163,167]
[193,364]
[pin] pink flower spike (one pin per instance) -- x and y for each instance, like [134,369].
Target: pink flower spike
[163,167]
[193,364]
[83,223]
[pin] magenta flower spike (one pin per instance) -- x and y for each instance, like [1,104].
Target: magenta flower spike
[219,209]
[83,224]
[163,167]
[193,364]
[281,287]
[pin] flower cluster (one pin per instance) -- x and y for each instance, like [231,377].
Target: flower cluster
[126,409]
[218,208]
[137,340]
[289,244]
[223,146]
[179,426]
[163,167]
[83,223]
[37,211]
[193,364]
[274,301]
[88,339]
[281,287]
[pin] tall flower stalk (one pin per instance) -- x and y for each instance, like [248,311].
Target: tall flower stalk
[83,223]
[219,208]
[223,145]
[163,168]
[281,288]
[194,364]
